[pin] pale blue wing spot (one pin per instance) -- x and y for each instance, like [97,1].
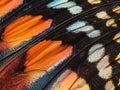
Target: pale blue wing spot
[76,25]
[94,34]
[55,2]
[94,47]
[96,53]
[75,10]
[86,29]
[103,62]
[65,5]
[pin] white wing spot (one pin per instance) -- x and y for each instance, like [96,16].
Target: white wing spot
[102,15]
[96,52]
[106,73]
[103,62]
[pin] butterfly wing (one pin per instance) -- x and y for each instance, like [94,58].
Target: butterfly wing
[93,33]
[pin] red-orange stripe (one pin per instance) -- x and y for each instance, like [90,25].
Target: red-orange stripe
[8,6]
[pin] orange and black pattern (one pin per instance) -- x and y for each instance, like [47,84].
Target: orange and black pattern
[60,45]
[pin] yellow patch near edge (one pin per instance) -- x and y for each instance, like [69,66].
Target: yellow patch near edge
[109,86]
[80,84]
[117,37]
[94,1]
[118,58]
[116,9]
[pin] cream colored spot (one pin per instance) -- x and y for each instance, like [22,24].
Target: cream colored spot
[103,62]
[109,86]
[94,1]
[117,37]
[118,58]
[102,15]
[80,84]
[111,22]
[106,73]
[114,25]
[96,52]
[116,9]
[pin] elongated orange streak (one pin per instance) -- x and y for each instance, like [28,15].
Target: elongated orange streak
[2,2]
[7,6]
[44,56]
[45,51]
[17,22]
[23,26]
[48,53]
[23,29]
[30,32]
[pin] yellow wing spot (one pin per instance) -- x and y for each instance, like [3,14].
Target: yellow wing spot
[116,9]
[117,37]
[111,22]
[119,82]
[109,86]
[80,84]
[118,58]
[94,1]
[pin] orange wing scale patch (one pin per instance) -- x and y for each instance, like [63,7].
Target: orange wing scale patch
[75,82]
[39,58]
[23,29]
[7,6]
[65,81]
[45,56]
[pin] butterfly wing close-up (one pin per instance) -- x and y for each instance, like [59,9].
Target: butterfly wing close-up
[59,44]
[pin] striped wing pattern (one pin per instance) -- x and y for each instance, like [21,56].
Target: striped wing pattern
[60,45]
